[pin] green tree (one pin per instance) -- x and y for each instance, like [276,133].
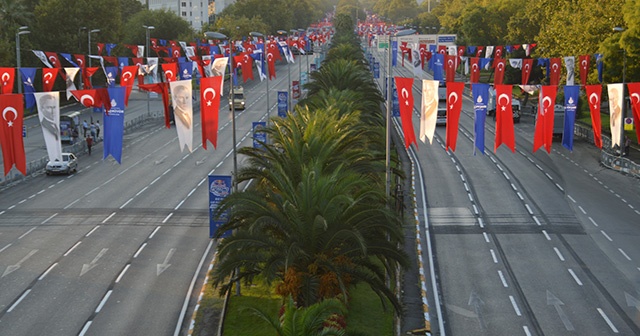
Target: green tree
[13,14]
[167,25]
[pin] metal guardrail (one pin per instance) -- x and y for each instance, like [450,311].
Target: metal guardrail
[608,158]
[36,167]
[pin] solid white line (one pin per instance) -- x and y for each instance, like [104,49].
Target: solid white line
[167,218]
[191,192]
[154,181]
[486,237]
[606,235]
[85,328]
[139,250]
[504,281]
[4,248]
[71,249]
[108,218]
[141,191]
[154,232]
[493,255]
[515,305]
[20,299]
[606,318]
[592,221]
[124,270]
[104,300]
[546,235]
[624,254]
[575,277]
[559,254]
[50,217]
[125,203]
[72,203]
[90,232]
[47,271]
[91,191]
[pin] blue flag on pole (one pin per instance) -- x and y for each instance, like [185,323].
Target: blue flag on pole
[571,94]
[28,77]
[480,101]
[438,63]
[394,53]
[219,189]
[114,124]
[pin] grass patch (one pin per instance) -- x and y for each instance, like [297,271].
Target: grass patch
[239,321]
[366,315]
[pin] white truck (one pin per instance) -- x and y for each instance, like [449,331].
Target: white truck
[442,105]
[491,106]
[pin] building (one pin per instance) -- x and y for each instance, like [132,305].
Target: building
[196,12]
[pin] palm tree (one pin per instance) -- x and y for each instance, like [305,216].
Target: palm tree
[314,320]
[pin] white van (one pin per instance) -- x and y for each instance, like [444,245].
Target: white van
[238,98]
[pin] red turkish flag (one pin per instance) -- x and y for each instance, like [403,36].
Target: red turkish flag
[554,68]
[594,95]
[86,76]
[170,70]
[527,63]
[11,133]
[475,70]
[88,98]
[405,100]
[634,96]
[53,59]
[100,47]
[442,49]
[498,78]
[271,59]
[209,108]
[139,62]
[111,59]
[163,90]
[479,51]
[133,48]
[504,118]
[584,68]
[80,59]
[498,51]
[49,78]
[450,67]
[247,69]
[7,76]
[454,106]
[127,78]
[543,134]
[272,48]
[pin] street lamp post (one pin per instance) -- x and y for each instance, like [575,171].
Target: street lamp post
[389,101]
[21,31]
[286,33]
[89,42]
[79,40]
[624,91]
[266,71]
[148,31]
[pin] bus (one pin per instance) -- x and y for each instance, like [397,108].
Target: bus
[68,122]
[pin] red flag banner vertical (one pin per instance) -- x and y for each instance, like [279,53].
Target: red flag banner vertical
[554,69]
[49,76]
[209,108]
[504,118]
[584,68]
[527,63]
[450,67]
[170,70]
[127,78]
[634,96]
[11,133]
[498,64]
[7,76]
[405,100]
[475,70]
[594,97]
[543,134]
[454,106]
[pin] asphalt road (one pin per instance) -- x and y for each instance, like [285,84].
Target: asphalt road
[118,249]
[527,243]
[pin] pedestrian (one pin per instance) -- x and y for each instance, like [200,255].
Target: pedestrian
[627,145]
[97,130]
[89,143]
[85,128]
[74,135]
[92,128]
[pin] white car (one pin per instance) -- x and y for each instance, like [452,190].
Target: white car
[68,165]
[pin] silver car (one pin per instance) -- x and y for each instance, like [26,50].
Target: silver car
[68,165]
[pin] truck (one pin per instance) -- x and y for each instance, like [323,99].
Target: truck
[238,100]
[515,106]
[442,105]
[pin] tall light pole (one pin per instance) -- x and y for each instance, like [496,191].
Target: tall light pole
[286,33]
[389,102]
[89,42]
[148,31]
[297,31]
[21,31]
[80,30]
[624,90]
[266,70]
[305,53]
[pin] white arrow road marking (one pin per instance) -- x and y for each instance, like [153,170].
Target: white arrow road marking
[552,300]
[162,267]
[87,267]
[12,268]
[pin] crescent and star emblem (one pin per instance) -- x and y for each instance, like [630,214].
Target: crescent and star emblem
[635,98]
[554,67]
[546,103]
[500,66]
[584,64]
[505,97]
[127,76]
[4,115]
[79,61]
[453,98]
[52,59]
[87,97]
[450,63]
[169,74]
[6,77]
[213,95]
[526,67]
[405,96]
[269,57]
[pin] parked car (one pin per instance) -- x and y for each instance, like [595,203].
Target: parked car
[68,165]
[238,98]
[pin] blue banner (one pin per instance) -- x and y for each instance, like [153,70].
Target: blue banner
[395,108]
[283,103]
[438,63]
[394,53]
[112,73]
[571,93]
[185,70]
[28,78]
[114,125]
[376,70]
[480,101]
[259,137]
[219,189]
